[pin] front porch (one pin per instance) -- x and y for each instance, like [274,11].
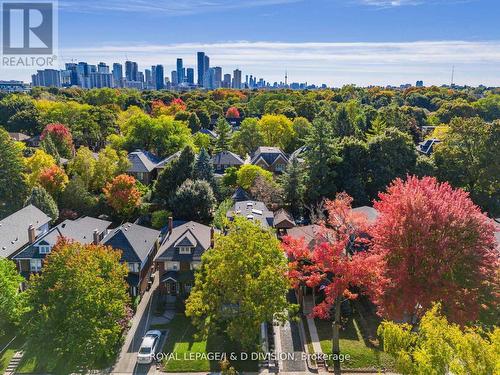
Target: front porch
[176,283]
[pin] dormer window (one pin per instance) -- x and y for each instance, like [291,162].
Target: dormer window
[44,249]
[184,250]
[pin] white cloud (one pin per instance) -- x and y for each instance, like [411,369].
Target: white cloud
[336,64]
[172,7]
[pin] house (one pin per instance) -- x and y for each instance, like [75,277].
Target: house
[370,213]
[307,232]
[225,159]
[427,147]
[270,158]
[299,154]
[85,230]
[180,255]
[240,195]
[146,167]
[138,246]
[208,132]
[252,210]
[21,228]
[283,221]
[19,137]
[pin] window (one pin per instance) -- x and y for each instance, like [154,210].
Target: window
[35,265]
[184,250]
[44,249]
[187,287]
[133,267]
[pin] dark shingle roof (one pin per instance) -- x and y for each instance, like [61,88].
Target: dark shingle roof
[282,219]
[80,230]
[14,229]
[268,154]
[253,210]
[227,158]
[208,132]
[135,241]
[197,234]
[240,195]
[142,161]
[168,159]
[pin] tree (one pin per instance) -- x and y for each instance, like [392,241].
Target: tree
[247,174]
[301,129]
[241,283]
[220,218]
[173,175]
[223,130]
[13,187]
[391,155]
[342,126]
[36,164]
[11,300]
[292,182]
[333,263]
[267,191]
[194,123]
[159,219]
[54,180]
[83,165]
[468,158]
[276,130]
[42,200]
[439,347]
[78,319]
[110,163]
[193,200]
[321,157]
[19,114]
[232,112]
[122,195]
[76,197]
[203,169]
[248,138]
[438,247]
[60,135]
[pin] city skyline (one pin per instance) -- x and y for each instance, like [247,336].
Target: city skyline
[363,42]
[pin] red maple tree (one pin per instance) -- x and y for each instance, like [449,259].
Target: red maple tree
[232,112]
[123,195]
[61,136]
[54,180]
[335,261]
[437,246]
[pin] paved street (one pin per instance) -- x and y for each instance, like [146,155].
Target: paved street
[140,323]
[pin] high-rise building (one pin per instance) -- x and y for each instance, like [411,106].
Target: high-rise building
[140,76]
[131,71]
[173,77]
[206,63]
[420,84]
[159,77]
[217,77]
[180,71]
[117,75]
[237,79]
[201,67]
[73,75]
[99,80]
[102,68]
[226,82]
[47,78]
[190,76]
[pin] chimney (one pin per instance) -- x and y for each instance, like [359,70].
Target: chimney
[170,224]
[31,234]
[212,237]
[95,237]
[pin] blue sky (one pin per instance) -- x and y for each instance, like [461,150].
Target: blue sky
[332,41]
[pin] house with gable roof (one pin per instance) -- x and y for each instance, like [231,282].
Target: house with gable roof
[180,255]
[270,158]
[146,166]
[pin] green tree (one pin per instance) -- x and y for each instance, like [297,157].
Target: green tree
[321,157]
[292,182]
[248,138]
[83,165]
[223,130]
[242,283]
[159,219]
[468,158]
[247,174]
[220,218]
[43,201]
[203,169]
[173,175]
[76,197]
[391,154]
[194,123]
[78,319]
[13,188]
[110,163]
[438,347]
[277,131]
[193,200]
[12,301]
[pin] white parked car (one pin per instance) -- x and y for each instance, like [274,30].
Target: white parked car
[149,347]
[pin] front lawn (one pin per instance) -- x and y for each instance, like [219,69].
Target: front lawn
[185,347]
[352,343]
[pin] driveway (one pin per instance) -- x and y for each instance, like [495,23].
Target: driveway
[139,325]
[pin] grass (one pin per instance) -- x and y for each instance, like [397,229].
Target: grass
[362,356]
[181,341]
[6,335]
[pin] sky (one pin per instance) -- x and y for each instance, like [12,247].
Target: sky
[337,42]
